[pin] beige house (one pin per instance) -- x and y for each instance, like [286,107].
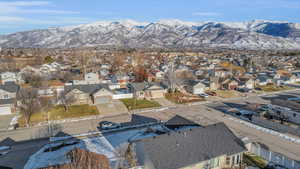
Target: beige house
[195,87]
[89,94]
[209,147]
[79,96]
[147,90]
[102,96]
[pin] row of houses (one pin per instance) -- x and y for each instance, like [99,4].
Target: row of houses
[82,93]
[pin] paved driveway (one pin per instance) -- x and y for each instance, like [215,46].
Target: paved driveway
[164,102]
[5,121]
[114,108]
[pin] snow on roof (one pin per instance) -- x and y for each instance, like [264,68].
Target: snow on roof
[43,158]
[106,145]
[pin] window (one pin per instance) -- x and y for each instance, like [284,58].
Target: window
[233,159]
[227,160]
[6,96]
[237,159]
[216,163]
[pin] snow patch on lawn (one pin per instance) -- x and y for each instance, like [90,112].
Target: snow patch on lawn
[43,159]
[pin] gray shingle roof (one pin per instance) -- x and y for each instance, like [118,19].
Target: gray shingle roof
[10,87]
[178,121]
[138,86]
[138,119]
[183,148]
[87,88]
[6,101]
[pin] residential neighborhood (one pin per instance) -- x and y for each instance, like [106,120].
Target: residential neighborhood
[43,99]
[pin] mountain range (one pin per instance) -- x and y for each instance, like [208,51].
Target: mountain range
[258,34]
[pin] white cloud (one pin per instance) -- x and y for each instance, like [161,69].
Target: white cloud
[30,7]
[11,19]
[206,14]
[25,3]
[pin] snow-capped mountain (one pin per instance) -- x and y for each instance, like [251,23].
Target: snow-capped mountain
[162,34]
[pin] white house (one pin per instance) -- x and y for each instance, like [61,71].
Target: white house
[92,78]
[195,87]
[8,93]
[8,77]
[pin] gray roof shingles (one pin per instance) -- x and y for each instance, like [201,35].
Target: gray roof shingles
[87,88]
[10,87]
[179,149]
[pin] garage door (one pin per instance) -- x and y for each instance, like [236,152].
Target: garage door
[102,100]
[5,110]
[157,94]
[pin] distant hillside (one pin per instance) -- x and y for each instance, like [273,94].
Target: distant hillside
[163,34]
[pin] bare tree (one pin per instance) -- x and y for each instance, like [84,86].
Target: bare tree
[66,100]
[82,159]
[29,103]
[121,153]
[33,79]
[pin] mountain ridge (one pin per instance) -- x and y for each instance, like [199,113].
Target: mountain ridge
[257,34]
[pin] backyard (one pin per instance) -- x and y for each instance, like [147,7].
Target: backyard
[59,113]
[133,104]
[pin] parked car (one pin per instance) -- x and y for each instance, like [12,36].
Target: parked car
[107,125]
[211,93]
[258,88]
[203,95]
[243,90]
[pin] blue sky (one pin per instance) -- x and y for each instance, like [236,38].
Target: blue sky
[37,14]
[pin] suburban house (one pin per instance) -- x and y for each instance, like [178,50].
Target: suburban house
[195,87]
[246,83]
[8,93]
[159,75]
[147,90]
[178,122]
[8,77]
[230,84]
[214,83]
[213,146]
[89,93]
[92,78]
[263,80]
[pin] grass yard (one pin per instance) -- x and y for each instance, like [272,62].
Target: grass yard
[274,88]
[254,160]
[180,98]
[227,93]
[133,104]
[59,113]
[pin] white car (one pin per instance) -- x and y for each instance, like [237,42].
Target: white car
[203,95]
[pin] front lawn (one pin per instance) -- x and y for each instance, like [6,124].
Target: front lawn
[180,98]
[227,93]
[59,113]
[274,88]
[133,104]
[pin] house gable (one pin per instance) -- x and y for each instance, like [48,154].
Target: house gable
[102,92]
